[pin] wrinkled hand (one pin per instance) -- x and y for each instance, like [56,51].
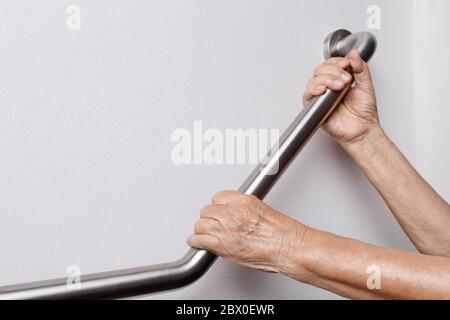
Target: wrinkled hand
[357,114]
[245,230]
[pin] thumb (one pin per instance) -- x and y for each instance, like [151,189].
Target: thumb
[361,71]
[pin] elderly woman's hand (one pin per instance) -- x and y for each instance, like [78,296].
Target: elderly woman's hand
[356,116]
[243,229]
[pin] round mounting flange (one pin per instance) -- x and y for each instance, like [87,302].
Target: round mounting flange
[330,45]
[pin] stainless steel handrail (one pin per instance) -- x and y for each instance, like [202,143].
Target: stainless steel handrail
[163,277]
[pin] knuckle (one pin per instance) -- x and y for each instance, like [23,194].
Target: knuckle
[217,197]
[241,197]
[333,71]
[335,60]
[247,199]
[253,199]
[205,210]
[312,83]
[198,226]
[318,69]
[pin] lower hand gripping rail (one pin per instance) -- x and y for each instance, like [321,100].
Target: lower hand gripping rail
[172,275]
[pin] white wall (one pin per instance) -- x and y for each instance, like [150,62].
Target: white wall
[86,118]
[432,96]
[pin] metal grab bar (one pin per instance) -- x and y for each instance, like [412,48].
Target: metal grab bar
[163,277]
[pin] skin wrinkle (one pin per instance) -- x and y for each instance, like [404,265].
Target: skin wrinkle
[251,233]
[393,186]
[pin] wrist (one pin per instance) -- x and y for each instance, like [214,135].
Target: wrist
[293,262]
[373,137]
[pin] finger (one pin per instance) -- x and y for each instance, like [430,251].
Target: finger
[225,197]
[206,226]
[342,63]
[329,81]
[313,91]
[318,85]
[212,211]
[356,62]
[360,70]
[329,69]
[206,242]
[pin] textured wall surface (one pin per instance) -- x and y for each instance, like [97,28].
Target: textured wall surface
[86,118]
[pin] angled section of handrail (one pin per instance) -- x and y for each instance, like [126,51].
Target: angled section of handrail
[167,276]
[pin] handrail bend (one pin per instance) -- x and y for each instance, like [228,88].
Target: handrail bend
[167,276]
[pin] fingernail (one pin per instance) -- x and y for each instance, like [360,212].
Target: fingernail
[346,76]
[338,83]
[320,88]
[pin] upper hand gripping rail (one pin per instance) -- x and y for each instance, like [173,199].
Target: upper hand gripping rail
[162,277]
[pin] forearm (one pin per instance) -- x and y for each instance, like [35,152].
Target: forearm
[341,265]
[421,212]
